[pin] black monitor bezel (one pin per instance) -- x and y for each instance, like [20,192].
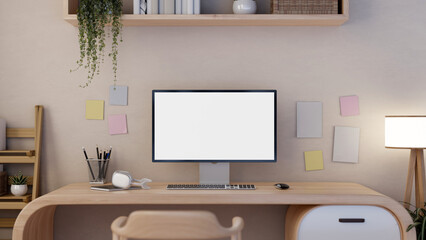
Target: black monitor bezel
[212,160]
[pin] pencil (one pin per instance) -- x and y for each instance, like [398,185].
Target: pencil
[97,152]
[88,164]
[109,154]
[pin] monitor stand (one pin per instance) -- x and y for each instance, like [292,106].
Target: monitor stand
[214,173]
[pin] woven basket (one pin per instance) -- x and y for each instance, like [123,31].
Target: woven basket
[304,6]
[3,183]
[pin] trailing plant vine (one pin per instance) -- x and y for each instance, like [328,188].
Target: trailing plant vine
[92,16]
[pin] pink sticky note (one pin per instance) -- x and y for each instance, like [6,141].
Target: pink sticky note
[349,106]
[117,124]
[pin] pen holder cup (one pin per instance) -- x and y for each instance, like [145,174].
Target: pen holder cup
[97,169]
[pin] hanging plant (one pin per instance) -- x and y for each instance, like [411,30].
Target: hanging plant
[92,16]
[419,221]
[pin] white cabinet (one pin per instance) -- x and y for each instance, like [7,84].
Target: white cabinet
[348,223]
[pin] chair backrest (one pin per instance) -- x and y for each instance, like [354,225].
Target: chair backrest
[174,225]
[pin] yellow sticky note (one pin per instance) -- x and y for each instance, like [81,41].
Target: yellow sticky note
[95,109]
[314,160]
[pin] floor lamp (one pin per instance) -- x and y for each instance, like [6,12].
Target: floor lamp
[409,132]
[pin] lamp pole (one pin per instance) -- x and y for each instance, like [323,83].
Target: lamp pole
[416,171]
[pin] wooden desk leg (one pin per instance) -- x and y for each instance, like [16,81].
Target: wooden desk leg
[293,217]
[419,179]
[410,176]
[38,226]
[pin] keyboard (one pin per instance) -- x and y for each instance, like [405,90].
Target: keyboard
[211,187]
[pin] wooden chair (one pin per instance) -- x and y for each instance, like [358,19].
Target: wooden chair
[174,225]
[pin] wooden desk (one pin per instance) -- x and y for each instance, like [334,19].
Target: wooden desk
[35,222]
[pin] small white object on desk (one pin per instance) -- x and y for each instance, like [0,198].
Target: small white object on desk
[123,179]
[111,188]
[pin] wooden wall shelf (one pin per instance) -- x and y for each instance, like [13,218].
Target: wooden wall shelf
[7,222]
[17,152]
[12,205]
[17,159]
[223,19]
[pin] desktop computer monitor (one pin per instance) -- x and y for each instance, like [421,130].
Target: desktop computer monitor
[214,126]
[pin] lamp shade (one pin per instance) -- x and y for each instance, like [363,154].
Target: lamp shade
[405,131]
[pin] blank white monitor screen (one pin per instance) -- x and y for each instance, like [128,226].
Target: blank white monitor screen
[214,126]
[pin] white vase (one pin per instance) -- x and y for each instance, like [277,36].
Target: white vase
[18,190]
[244,7]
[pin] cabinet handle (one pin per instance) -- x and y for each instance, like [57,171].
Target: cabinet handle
[351,220]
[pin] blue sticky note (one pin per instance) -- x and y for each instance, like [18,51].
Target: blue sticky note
[118,95]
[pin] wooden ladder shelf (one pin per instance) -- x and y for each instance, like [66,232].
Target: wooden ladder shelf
[31,156]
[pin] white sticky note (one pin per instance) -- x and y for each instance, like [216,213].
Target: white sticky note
[309,119]
[118,95]
[346,144]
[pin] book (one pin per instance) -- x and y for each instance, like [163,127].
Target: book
[3,183]
[143,5]
[136,6]
[169,6]
[111,188]
[178,6]
[152,6]
[197,7]
[187,6]
[2,134]
[166,6]
[160,6]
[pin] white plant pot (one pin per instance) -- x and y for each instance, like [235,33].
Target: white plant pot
[19,190]
[244,7]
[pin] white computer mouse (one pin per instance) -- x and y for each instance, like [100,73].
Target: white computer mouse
[123,179]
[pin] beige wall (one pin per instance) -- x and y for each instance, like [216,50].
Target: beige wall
[379,55]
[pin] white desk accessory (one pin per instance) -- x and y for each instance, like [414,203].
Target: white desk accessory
[123,179]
